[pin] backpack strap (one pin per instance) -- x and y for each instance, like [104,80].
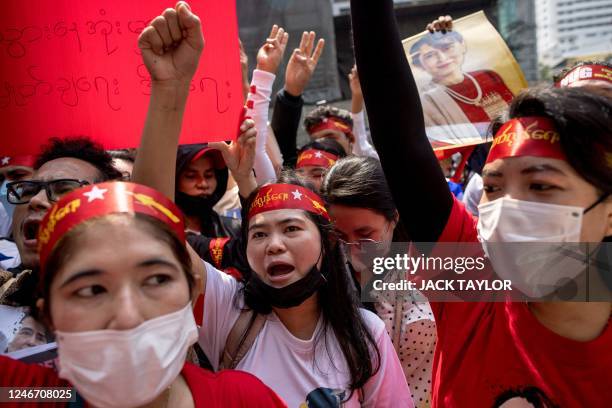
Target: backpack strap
[241,337]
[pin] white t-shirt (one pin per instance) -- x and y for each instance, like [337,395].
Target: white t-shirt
[287,364]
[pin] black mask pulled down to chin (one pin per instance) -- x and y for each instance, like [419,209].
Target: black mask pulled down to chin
[194,205]
[266,297]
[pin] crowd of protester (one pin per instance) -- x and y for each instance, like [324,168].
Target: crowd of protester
[230,274]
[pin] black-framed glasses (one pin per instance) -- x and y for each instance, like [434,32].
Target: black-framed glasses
[21,192]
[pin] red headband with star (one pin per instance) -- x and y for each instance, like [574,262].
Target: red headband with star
[527,136]
[586,73]
[24,161]
[287,196]
[102,199]
[332,124]
[316,158]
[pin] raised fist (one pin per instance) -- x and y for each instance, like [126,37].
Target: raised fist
[172,44]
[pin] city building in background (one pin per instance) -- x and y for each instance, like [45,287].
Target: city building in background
[543,35]
[256,17]
[517,25]
[570,30]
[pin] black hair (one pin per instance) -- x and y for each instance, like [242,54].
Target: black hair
[327,111]
[337,298]
[325,144]
[82,148]
[583,118]
[435,40]
[357,181]
[124,154]
[561,74]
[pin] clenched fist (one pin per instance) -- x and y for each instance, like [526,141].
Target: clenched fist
[172,44]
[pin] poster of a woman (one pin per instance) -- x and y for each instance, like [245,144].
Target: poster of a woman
[466,77]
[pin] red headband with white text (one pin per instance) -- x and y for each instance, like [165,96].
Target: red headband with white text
[586,73]
[287,196]
[316,158]
[332,124]
[527,136]
[102,199]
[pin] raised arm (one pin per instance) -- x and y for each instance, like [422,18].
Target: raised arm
[269,58]
[362,145]
[396,120]
[171,47]
[289,103]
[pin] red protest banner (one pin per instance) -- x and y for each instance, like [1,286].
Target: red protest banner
[73,67]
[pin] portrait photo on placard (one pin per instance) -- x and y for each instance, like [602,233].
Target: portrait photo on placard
[466,78]
[20,330]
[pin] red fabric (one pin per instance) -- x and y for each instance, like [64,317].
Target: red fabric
[216,250]
[228,388]
[466,151]
[233,272]
[487,349]
[225,389]
[25,161]
[527,136]
[490,82]
[215,155]
[74,68]
[198,310]
[332,124]
[17,374]
[273,197]
[101,199]
[586,73]
[316,158]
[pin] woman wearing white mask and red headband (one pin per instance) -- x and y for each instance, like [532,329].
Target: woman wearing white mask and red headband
[117,289]
[552,183]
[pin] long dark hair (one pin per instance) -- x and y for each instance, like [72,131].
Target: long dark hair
[360,182]
[583,118]
[337,299]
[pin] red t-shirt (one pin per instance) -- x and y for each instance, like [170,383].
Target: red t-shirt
[492,87]
[490,353]
[227,388]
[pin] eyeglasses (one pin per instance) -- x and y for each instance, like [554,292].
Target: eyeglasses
[360,243]
[21,192]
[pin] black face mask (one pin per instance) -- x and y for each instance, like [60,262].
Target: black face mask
[194,205]
[289,296]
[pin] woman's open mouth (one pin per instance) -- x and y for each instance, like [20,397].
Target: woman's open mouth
[279,271]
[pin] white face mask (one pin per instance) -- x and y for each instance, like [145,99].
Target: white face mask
[127,368]
[529,243]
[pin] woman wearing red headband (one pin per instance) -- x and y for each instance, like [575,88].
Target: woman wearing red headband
[117,288]
[309,339]
[316,158]
[294,320]
[551,184]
